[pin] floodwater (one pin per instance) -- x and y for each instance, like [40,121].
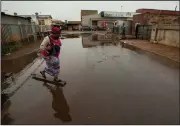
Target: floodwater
[106,84]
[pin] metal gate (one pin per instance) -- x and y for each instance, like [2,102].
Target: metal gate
[144,32]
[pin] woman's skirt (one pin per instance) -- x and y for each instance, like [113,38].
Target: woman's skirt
[52,65]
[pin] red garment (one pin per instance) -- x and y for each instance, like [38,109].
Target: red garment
[55,43]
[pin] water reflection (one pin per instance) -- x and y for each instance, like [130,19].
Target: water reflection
[59,103]
[71,35]
[99,40]
[5,105]
[17,64]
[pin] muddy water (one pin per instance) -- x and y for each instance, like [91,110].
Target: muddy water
[106,84]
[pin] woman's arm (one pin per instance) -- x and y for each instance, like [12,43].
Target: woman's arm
[44,43]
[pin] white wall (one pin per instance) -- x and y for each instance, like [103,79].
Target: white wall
[47,21]
[87,20]
[166,35]
[34,19]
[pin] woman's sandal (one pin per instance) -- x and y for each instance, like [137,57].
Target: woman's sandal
[43,74]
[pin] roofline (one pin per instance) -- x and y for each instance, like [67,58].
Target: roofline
[156,9]
[2,13]
[155,14]
[161,12]
[44,15]
[89,10]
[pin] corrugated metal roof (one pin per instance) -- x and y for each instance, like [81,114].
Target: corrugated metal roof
[28,18]
[44,16]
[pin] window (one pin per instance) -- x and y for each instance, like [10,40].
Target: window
[41,22]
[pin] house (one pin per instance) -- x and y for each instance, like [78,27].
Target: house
[34,19]
[14,19]
[57,22]
[40,19]
[15,28]
[88,12]
[44,19]
[73,25]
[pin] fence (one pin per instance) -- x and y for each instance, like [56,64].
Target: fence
[144,32]
[119,30]
[14,36]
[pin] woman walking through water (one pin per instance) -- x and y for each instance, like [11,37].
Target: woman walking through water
[50,50]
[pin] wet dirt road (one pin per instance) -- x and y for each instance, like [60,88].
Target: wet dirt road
[106,84]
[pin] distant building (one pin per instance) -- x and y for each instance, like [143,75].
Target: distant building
[87,20]
[88,12]
[106,19]
[44,19]
[40,19]
[73,25]
[58,22]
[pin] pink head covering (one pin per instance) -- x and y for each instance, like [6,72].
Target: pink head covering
[55,30]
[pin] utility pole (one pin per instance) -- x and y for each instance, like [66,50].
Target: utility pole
[121,8]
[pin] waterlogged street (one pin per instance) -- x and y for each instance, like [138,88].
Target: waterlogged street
[106,84]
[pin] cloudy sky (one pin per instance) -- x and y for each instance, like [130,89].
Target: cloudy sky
[70,10]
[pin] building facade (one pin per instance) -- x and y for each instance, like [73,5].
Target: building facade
[73,25]
[152,16]
[15,28]
[106,19]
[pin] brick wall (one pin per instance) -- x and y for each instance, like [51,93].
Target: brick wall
[154,11]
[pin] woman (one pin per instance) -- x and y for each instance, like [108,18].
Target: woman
[50,50]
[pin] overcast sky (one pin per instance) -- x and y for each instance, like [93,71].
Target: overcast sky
[70,10]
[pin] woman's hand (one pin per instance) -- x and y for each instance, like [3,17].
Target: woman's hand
[48,47]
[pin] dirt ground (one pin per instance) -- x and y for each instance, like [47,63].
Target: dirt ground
[163,50]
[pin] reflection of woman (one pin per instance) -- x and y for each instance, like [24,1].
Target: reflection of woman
[59,103]
[5,105]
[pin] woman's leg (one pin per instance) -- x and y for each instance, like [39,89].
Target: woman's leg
[43,72]
[57,70]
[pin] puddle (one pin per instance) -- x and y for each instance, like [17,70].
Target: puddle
[106,84]
[16,65]
[99,40]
